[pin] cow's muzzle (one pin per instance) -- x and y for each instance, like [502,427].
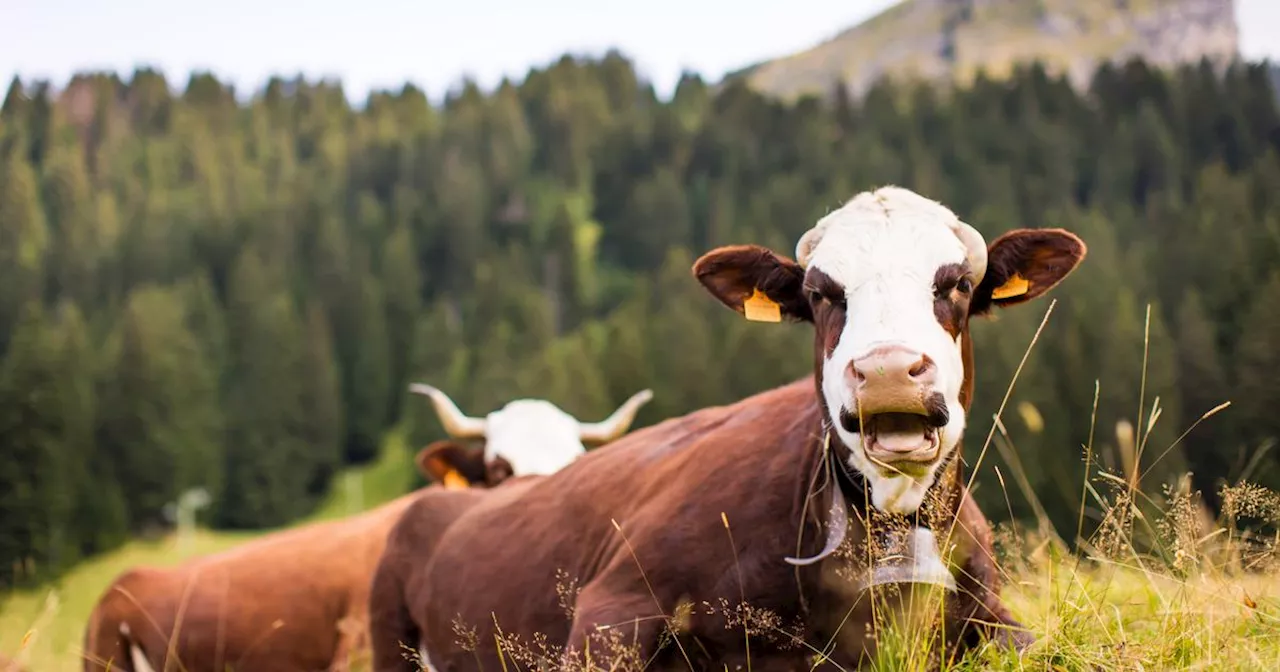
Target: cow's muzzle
[898,412]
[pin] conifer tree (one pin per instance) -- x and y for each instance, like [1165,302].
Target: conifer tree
[161,421]
[24,241]
[36,532]
[270,466]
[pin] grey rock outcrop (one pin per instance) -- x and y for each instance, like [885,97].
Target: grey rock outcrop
[953,39]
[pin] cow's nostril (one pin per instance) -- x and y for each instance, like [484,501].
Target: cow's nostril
[921,367]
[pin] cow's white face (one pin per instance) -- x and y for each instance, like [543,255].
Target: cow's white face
[534,435]
[888,275]
[889,281]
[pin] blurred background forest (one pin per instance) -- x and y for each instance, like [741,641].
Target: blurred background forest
[201,292]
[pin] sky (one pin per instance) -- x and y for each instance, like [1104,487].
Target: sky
[381,44]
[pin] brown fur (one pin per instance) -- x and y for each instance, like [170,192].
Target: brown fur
[292,600]
[408,546]
[628,533]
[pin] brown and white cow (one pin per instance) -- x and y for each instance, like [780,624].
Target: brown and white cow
[779,511]
[297,599]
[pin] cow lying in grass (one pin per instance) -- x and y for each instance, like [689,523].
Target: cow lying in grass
[297,599]
[753,535]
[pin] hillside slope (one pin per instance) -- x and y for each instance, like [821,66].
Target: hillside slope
[953,39]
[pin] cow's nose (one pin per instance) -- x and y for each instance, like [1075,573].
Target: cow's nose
[892,378]
[895,365]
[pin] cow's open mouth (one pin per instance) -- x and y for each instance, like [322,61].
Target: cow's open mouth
[897,439]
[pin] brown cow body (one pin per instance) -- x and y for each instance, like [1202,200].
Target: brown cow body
[291,601]
[680,475]
[693,527]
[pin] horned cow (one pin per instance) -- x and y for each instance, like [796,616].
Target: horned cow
[784,511]
[526,437]
[297,599]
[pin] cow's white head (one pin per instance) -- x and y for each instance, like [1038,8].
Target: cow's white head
[525,437]
[890,281]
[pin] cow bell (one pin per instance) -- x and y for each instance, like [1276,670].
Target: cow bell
[909,556]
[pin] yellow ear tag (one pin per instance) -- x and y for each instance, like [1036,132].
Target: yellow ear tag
[455,481]
[761,308]
[1014,286]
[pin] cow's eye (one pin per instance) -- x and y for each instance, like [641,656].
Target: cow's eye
[964,286]
[816,297]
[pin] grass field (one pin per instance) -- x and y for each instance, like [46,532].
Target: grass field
[1137,615]
[1124,618]
[51,619]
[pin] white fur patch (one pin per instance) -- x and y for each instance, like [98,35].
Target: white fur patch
[884,247]
[534,435]
[139,659]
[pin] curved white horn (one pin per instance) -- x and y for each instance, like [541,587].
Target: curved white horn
[458,426]
[809,242]
[976,248]
[617,424]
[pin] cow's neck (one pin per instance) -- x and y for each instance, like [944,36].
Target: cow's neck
[939,502]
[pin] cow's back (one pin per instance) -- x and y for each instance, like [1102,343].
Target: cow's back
[523,554]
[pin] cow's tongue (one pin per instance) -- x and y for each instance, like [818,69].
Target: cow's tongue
[900,432]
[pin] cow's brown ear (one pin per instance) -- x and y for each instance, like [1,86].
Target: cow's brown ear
[498,470]
[1025,263]
[755,282]
[452,464]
